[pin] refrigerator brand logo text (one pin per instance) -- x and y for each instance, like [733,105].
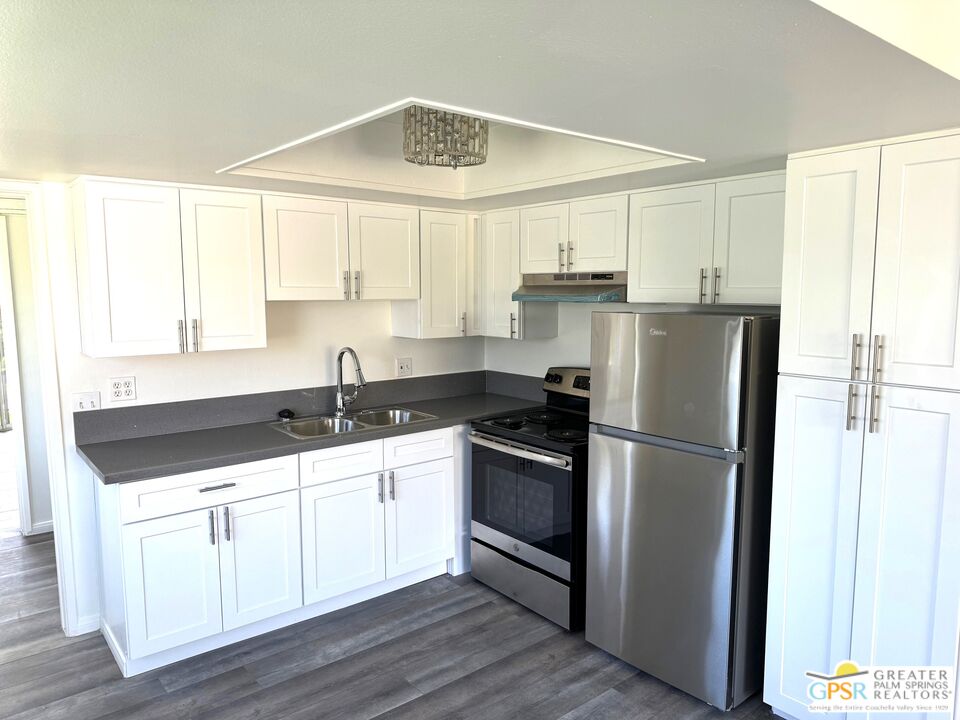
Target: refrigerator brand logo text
[655,332]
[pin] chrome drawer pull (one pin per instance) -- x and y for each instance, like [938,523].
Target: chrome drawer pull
[222,486]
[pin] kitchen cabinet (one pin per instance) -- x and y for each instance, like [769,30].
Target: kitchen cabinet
[441,310]
[343,536]
[502,316]
[829,238]
[907,596]
[419,516]
[163,271]
[544,232]
[260,568]
[474,277]
[813,545]
[306,250]
[671,245]
[748,240]
[129,268]
[224,294]
[598,235]
[384,251]
[171,574]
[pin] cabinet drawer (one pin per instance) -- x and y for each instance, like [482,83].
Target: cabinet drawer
[181,493]
[337,463]
[417,448]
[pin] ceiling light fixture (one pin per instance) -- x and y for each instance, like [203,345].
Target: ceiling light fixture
[444,139]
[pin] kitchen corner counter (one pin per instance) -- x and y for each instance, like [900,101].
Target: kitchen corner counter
[119,461]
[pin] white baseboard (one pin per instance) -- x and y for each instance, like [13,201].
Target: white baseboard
[40,528]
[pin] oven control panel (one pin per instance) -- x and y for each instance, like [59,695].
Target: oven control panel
[568,381]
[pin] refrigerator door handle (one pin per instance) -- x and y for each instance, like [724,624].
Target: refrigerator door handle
[725,454]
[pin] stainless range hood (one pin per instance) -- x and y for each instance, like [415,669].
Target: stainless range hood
[596,287]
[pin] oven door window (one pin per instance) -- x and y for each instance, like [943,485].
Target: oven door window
[527,500]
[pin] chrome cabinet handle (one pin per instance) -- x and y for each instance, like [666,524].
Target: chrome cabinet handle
[181,336]
[855,356]
[393,486]
[221,486]
[874,409]
[380,487]
[356,281]
[226,522]
[560,255]
[213,531]
[463,322]
[851,407]
[513,325]
[569,254]
[703,285]
[716,284]
[877,347]
[196,337]
[346,284]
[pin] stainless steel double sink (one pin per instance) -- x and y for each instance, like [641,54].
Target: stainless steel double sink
[312,427]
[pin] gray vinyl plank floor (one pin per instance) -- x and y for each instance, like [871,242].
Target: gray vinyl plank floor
[445,649]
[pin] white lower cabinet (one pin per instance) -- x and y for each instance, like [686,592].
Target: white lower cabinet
[343,536]
[419,516]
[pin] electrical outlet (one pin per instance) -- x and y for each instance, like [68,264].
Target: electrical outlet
[123,389]
[404,367]
[83,401]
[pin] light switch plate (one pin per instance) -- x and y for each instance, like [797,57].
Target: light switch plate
[404,367]
[123,389]
[83,401]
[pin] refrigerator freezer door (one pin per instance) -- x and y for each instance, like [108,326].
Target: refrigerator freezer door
[675,376]
[660,562]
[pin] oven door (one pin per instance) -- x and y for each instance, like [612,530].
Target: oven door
[522,499]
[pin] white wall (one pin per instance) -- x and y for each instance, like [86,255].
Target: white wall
[302,342]
[23,300]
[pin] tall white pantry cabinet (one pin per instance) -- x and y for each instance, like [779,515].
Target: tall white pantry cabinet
[865,546]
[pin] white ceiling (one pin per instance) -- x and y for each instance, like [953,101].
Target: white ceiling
[175,90]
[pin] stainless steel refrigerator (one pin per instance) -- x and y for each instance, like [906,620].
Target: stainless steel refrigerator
[680,462]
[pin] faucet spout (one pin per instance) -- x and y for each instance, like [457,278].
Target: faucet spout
[344,400]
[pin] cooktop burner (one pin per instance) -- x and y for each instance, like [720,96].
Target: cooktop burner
[510,422]
[544,417]
[566,434]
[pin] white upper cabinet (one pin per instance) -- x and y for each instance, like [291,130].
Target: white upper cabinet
[129,271]
[544,234]
[441,311]
[917,282]
[908,578]
[223,270]
[474,276]
[306,252]
[501,272]
[384,252]
[813,543]
[598,235]
[748,240]
[829,238]
[671,245]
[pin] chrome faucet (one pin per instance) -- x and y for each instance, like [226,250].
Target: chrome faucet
[343,402]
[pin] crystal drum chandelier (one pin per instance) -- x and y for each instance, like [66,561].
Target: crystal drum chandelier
[435,137]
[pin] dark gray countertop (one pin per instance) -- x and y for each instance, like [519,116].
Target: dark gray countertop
[159,455]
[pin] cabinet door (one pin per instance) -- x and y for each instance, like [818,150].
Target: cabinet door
[670,245]
[598,235]
[223,270]
[171,577]
[816,489]
[129,271]
[544,232]
[474,277]
[748,241]
[908,574]
[917,282]
[501,272]
[305,249]
[343,537]
[384,252]
[260,558]
[829,236]
[419,517]
[443,274]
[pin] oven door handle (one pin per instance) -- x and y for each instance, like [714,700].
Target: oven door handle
[520,452]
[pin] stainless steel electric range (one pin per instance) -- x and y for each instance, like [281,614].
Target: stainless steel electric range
[528,529]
